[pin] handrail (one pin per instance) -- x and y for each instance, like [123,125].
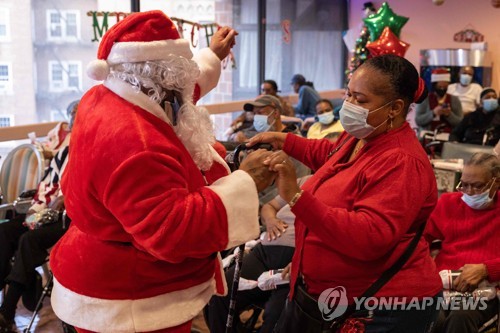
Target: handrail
[41,129]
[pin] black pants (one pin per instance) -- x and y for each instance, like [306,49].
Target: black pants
[259,260]
[29,247]
[466,321]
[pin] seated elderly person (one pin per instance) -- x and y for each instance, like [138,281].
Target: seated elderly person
[274,252]
[439,109]
[483,125]
[326,126]
[467,223]
[28,242]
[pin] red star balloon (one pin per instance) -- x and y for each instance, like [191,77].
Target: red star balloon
[385,17]
[387,43]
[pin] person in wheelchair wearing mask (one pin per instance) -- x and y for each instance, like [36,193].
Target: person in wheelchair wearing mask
[327,125]
[467,223]
[440,109]
[360,211]
[467,91]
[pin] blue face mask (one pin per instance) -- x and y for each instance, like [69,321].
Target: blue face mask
[465,79]
[490,104]
[260,123]
[354,119]
[326,118]
[478,201]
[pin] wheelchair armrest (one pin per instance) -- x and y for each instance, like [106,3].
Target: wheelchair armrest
[21,206]
[28,194]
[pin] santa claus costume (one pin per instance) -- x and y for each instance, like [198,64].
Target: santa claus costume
[151,202]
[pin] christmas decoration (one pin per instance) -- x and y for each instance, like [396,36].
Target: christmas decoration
[468,35]
[384,17]
[360,52]
[287,31]
[100,28]
[438,2]
[387,43]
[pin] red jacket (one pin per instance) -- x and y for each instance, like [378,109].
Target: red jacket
[355,219]
[469,236]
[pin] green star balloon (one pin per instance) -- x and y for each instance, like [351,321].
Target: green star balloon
[384,17]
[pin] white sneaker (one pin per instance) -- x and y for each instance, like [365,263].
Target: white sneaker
[271,279]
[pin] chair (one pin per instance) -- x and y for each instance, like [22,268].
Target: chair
[455,150]
[21,172]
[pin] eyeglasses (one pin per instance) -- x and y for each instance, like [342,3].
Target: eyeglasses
[474,187]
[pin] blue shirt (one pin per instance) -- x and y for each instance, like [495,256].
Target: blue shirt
[306,107]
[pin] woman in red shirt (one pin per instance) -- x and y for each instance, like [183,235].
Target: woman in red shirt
[371,192]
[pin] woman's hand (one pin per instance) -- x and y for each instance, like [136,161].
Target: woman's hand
[287,179]
[276,139]
[285,275]
[470,277]
[254,165]
[275,227]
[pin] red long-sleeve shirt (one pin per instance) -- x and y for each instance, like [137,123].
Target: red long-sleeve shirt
[355,219]
[469,236]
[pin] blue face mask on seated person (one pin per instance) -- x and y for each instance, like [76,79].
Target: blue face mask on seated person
[326,118]
[490,104]
[260,122]
[479,201]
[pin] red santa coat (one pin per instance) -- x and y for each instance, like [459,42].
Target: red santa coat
[141,252]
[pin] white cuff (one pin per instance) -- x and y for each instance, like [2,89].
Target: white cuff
[210,69]
[239,196]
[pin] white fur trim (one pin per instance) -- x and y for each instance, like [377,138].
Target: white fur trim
[210,69]
[219,159]
[125,316]
[440,77]
[222,275]
[239,196]
[125,91]
[98,70]
[148,51]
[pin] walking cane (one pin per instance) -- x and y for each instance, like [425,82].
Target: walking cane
[239,255]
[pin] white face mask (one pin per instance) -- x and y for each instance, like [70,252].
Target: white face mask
[353,118]
[326,118]
[465,79]
[479,201]
[260,122]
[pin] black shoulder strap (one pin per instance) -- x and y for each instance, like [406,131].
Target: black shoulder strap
[386,276]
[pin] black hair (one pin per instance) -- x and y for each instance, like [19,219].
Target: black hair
[403,77]
[309,83]
[272,83]
[324,100]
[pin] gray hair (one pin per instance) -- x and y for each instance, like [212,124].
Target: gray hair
[487,161]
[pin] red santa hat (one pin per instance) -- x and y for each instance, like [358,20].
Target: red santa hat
[145,36]
[440,74]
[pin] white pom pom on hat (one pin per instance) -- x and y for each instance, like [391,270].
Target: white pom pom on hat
[98,70]
[144,36]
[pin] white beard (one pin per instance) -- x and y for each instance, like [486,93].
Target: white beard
[194,128]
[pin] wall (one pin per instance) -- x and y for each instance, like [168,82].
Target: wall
[433,27]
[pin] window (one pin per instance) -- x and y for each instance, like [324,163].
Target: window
[63,25]
[4,25]
[6,120]
[65,75]
[58,115]
[5,78]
